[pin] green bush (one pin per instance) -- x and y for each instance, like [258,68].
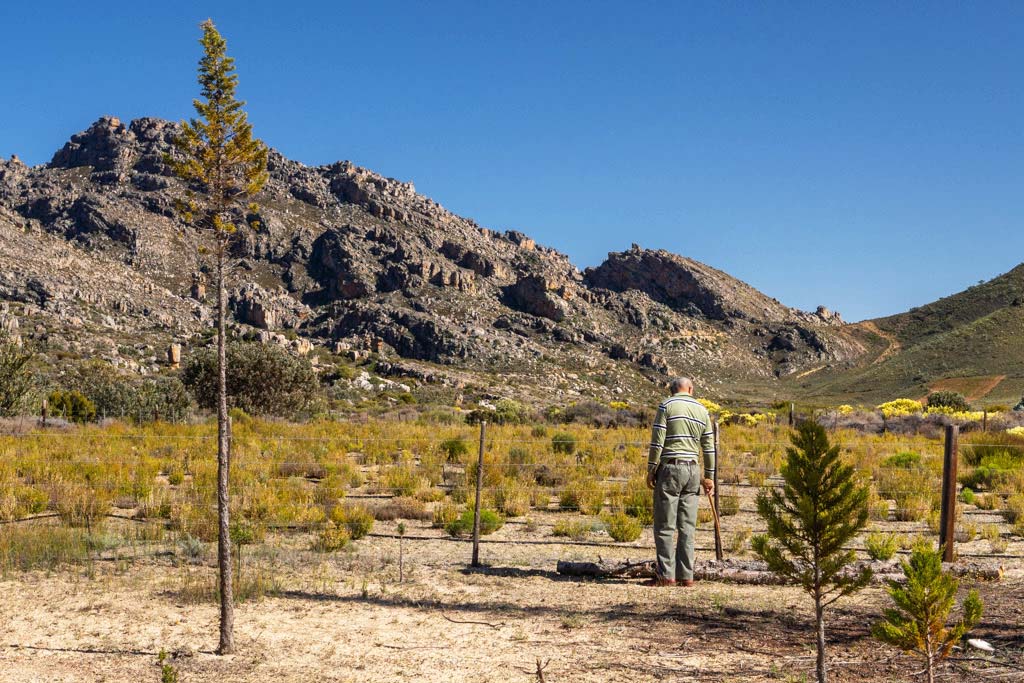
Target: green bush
[993,471]
[976,447]
[117,394]
[577,530]
[357,519]
[512,497]
[948,399]
[454,449]
[490,521]
[263,379]
[331,538]
[639,501]
[623,528]
[881,546]
[585,495]
[563,442]
[72,405]
[444,514]
[905,460]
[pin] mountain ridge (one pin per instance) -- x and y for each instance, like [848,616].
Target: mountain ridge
[353,264]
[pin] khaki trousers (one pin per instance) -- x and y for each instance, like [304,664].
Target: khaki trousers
[676,493]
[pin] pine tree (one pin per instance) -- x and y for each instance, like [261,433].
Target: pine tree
[224,166]
[918,621]
[818,510]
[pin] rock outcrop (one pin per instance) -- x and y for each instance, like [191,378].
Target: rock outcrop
[94,261]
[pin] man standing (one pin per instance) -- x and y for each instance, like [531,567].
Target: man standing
[682,431]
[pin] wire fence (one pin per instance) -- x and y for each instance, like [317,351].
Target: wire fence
[293,481]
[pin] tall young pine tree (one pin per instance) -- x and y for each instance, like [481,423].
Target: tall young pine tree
[217,156]
[818,510]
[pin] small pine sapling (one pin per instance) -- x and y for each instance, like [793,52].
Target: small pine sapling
[816,513]
[917,623]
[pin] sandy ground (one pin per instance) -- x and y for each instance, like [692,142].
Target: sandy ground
[345,617]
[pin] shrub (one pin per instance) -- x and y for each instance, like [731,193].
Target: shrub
[507,411]
[900,407]
[539,431]
[738,542]
[728,505]
[490,521]
[117,394]
[622,527]
[357,519]
[263,379]
[331,538]
[639,501]
[402,507]
[584,495]
[881,546]
[72,405]
[445,514]
[967,496]
[402,480]
[1014,509]
[454,449]
[948,399]
[563,442]
[577,530]
[512,498]
[905,460]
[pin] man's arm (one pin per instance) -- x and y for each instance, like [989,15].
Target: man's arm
[707,445]
[657,440]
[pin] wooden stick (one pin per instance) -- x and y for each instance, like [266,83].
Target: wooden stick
[718,526]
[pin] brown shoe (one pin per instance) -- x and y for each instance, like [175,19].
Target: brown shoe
[686,583]
[659,582]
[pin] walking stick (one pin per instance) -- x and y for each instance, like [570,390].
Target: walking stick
[718,527]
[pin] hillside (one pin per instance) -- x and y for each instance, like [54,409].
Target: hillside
[972,342]
[355,268]
[352,265]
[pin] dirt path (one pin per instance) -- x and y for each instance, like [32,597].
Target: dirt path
[894,343]
[980,387]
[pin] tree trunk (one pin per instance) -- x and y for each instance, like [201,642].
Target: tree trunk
[227,598]
[819,617]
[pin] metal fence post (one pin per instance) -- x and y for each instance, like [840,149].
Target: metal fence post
[479,488]
[947,528]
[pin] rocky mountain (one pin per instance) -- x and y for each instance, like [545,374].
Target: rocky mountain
[351,265]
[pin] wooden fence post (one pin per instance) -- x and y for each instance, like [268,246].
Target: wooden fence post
[947,524]
[46,408]
[479,488]
[984,420]
[792,416]
[718,460]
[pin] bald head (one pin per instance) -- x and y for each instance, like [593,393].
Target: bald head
[681,385]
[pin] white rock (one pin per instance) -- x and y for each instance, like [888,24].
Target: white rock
[979,644]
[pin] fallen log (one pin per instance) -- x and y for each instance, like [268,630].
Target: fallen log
[756,572]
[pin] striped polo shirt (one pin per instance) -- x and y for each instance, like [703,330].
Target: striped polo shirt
[682,431]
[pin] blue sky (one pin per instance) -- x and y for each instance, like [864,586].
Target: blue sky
[865,156]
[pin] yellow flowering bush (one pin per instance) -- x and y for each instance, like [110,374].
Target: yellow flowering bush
[955,414]
[900,406]
[619,405]
[1016,431]
[710,405]
[845,409]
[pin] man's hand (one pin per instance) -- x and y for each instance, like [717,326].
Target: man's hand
[652,475]
[709,485]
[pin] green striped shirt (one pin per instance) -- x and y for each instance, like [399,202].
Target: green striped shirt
[682,430]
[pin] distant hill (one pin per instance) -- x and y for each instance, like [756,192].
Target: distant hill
[353,268]
[972,342]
